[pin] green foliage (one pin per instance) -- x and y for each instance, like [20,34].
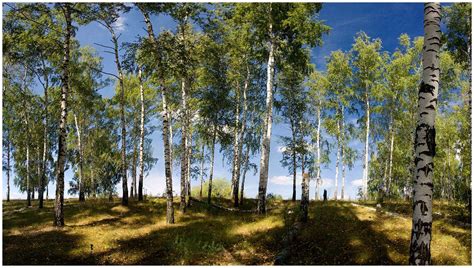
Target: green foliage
[220,188]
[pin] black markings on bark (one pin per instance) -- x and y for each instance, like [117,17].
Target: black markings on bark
[426,88]
[432,67]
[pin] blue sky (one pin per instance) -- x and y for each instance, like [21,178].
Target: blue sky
[385,21]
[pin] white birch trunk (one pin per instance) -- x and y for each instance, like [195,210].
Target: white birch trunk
[420,245]
[263,181]
[142,136]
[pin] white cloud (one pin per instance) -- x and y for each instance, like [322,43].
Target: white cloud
[281,149]
[285,180]
[119,25]
[358,182]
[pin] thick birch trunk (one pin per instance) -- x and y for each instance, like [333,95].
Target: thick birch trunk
[133,192]
[263,181]
[142,136]
[420,245]
[59,200]
[211,171]
[79,148]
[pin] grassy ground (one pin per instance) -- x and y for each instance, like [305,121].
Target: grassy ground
[337,233]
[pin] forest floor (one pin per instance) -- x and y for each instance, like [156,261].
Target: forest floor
[102,232]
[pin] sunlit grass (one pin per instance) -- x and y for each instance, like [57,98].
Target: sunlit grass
[337,233]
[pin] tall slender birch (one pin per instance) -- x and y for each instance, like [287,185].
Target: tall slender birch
[59,199]
[167,138]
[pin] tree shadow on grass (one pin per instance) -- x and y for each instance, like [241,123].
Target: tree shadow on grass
[48,247]
[335,235]
[210,237]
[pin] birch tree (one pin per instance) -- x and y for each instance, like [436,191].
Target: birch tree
[420,245]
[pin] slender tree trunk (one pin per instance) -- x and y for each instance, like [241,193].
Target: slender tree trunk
[420,245]
[211,171]
[235,189]
[343,157]
[338,150]
[201,175]
[188,167]
[267,133]
[318,151]
[28,183]
[167,150]
[59,199]
[366,149]
[304,192]
[45,144]
[142,135]
[246,163]
[392,138]
[133,192]
[293,197]
[239,141]
[8,166]
[122,118]
[79,148]
[184,145]
[167,137]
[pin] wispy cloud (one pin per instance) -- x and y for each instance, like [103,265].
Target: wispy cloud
[281,149]
[358,182]
[120,24]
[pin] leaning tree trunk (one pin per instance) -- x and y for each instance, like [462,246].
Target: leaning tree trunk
[211,171]
[142,136]
[420,245]
[318,151]
[166,129]
[81,174]
[59,199]
[267,133]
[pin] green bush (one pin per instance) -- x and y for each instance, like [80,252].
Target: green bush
[220,188]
